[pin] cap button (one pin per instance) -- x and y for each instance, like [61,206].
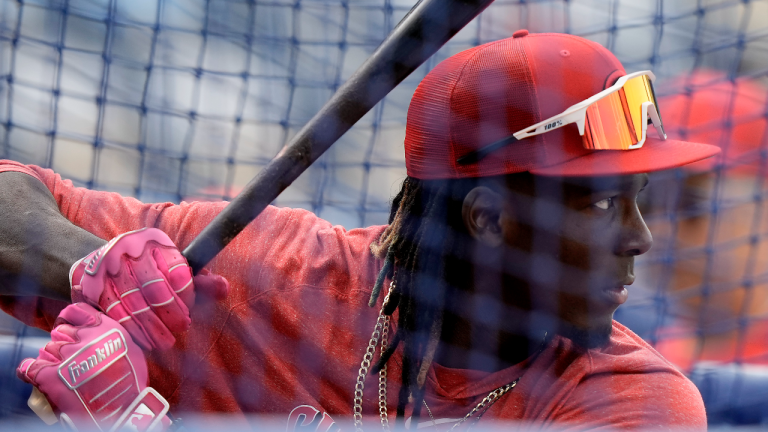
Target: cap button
[520,33]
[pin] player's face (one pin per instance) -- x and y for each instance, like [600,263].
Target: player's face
[581,236]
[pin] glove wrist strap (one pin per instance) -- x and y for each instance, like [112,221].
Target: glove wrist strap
[145,414]
[76,273]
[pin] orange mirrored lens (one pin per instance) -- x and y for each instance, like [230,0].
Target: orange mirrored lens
[607,126]
[615,122]
[638,91]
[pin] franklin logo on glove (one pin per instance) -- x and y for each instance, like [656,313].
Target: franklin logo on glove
[82,366]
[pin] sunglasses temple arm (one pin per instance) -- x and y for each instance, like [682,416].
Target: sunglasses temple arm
[653,113]
[480,154]
[577,117]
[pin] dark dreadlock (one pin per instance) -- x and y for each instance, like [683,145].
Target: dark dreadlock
[424,241]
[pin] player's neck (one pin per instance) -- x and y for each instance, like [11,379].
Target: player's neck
[487,325]
[460,349]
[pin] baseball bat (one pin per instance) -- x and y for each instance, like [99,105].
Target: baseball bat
[426,28]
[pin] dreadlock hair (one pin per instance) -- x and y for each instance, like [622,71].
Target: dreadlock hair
[425,242]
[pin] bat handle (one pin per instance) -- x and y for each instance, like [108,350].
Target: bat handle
[39,404]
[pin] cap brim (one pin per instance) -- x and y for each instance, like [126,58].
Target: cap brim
[655,155]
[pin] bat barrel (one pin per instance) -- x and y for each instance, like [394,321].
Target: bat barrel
[426,28]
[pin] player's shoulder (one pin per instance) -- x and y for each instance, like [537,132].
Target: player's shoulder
[637,385]
[639,365]
[627,352]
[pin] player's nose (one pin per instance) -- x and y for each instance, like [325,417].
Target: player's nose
[635,238]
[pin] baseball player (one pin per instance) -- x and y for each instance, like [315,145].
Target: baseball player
[491,290]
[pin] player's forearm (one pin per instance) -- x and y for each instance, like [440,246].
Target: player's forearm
[37,244]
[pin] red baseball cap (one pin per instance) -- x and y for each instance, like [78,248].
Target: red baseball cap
[491,91]
[707,107]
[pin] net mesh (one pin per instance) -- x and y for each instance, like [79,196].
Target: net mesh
[170,100]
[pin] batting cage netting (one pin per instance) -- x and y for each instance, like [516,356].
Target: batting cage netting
[180,100]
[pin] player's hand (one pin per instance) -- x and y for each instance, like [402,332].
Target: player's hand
[141,280]
[93,376]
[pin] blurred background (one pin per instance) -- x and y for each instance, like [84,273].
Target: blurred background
[171,100]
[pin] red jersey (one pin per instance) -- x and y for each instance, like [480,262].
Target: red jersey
[292,333]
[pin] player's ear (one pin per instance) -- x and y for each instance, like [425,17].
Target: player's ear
[486,217]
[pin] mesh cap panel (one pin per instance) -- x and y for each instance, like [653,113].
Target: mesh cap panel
[467,102]
[494,99]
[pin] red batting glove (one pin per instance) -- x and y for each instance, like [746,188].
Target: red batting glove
[94,376]
[141,280]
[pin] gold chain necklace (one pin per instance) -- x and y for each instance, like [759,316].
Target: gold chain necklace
[483,405]
[381,331]
[487,401]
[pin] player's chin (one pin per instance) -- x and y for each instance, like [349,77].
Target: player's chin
[595,334]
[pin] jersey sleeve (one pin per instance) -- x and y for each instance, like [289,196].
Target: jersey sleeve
[629,385]
[652,400]
[108,214]
[272,252]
